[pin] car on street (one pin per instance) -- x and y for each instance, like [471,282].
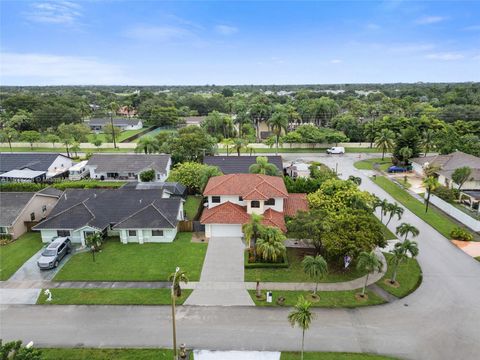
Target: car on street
[336,150]
[399,169]
[54,253]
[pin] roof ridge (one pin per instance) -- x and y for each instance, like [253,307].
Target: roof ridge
[63,211]
[131,215]
[226,177]
[160,212]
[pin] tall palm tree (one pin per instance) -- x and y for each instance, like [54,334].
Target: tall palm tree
[428,140]
[75,148]
[239,144]
[113,107]
[180,277]
[404,229]
[302,317]
[430,184]
[406,153]
[368,262]
[400,254]
[147,145]
[252,231]
[262,166]
[383,205]
[385,141]
[228,142]
[316,268]
[278,122]
[270,246]
[394,209]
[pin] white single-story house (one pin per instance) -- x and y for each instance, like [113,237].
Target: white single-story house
[33,167]
[137,216]
[97,125]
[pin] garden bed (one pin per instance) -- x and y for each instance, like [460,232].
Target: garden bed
[263,265]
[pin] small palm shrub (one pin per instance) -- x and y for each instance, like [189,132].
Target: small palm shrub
[461,234]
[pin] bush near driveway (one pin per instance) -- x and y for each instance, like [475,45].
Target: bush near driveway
[137,262]
[14,254]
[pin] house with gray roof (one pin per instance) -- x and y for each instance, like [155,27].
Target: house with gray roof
[97,125]
[240,164]
[137,216]
[167,189]
[33,167]
[128,166]
[19,211]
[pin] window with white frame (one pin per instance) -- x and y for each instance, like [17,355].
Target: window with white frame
[216,199]
[255,204]
[157,232]
[270,201]
[132,232]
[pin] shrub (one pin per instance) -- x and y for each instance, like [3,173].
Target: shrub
[447,194]
[87,184]
[5,239]
[461,234]
[147,175]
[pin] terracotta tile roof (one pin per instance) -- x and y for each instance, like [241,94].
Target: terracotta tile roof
[226,213]
[274,219]
[249,186]
[295,203]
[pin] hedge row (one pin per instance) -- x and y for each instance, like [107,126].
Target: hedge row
[61,185]
[264,265]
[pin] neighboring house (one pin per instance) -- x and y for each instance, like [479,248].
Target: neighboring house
[33,167]
[19,210]
[193,120]
[97,125]
[128,166]
[298,169]
[447,165]
[167,189]
[137,216]
[233,198]
[239,164]
[126,111]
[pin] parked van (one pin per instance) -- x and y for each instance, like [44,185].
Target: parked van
[78,171]
[336,150]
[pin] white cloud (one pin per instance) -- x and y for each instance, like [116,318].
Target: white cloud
[226,29]
[54,12]
[446,56]
[33,68]
[336,61]
[157,33]
[426,20]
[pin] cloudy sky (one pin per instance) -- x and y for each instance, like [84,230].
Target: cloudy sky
[227,42]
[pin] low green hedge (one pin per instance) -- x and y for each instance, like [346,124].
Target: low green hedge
[264,265]
[17,187]
[61,185]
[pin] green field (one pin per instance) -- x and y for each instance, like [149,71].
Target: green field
[105,354]
[294,273]
[137,262]
[409,277]
[14,254]
[329,299]
[191,206]
[123,135]
[72,296]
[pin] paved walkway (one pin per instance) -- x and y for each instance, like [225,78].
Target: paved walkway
[221,282]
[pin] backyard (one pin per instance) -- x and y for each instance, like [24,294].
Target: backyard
[13,255]
[137,262]
[192,205]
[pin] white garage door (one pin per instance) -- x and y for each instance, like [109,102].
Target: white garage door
[220,230]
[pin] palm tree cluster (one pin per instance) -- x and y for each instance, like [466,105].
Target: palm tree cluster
[266,243]
[262,166]
[388,209]
[400,254]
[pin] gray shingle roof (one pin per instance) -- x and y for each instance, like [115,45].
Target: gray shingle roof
[448,163]
[159,214]
[116,121]
[12,204]
[129,162]
[32,161]
[103,207]
[50,191]
[174,188]
[239,164]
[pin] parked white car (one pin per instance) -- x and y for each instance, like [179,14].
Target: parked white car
[336,150]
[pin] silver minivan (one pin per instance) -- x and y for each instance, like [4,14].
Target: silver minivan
[54,253]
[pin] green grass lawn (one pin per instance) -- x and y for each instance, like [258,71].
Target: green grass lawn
[137,262]
[409,276]
[62,149]
[13,255]
[367,164]
[105,354]
[294,273]
[333,356]
[191,206]
[386,231]
[123,135]
[438,220]
[329,299]
[111,297]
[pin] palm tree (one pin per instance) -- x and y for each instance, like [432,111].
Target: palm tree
[228,142]
[302,317]
[368,262]
[278,122]
[316,268]
[113,107]
[239,144]
[404,229]
[406,154]
[180,277]
[428,140]
[262,166]
[394,209]
[252,231]
[75,148]
[270,246]
[383,205]
[148,145]
[8,134]
[400,254]
[430,184]
[385,141]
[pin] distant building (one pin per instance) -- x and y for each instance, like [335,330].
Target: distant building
[194,120]
[97,125]
[126,111]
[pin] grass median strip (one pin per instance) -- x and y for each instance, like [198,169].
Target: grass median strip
[14,254]
[105,354]
[111,297]
[409,277]
[367,164]
[328,299]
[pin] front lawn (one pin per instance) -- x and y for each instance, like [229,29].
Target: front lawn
[294,273]
[192,205]
[137,262]
[13,255]
[328,299]
[333,356]
[409,277]
[385,230]
[111,297]
[367,164]
[435,218]
[105,354]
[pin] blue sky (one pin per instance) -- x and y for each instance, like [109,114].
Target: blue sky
[228,42]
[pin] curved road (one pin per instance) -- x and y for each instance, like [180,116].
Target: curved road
[441,320]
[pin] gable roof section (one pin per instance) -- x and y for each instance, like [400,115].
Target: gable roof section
[32,161]
[50,191]
[274,218]
[12,204]
[448,163]
[295,203]
[249,186]
[157,215]
[129,162]
[226,213]
[239,164]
